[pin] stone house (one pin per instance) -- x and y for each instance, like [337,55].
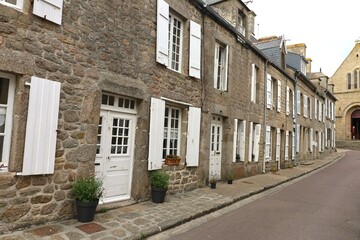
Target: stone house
[346,90]
[113,95]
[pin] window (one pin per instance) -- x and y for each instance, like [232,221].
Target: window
[355,79]
[269,97]
[240,23]
[239,140]
[254,140]
[305,101]
[298,102]
[7,91]
[279,96]
[172,134]
[268,149]
[255,86]
[167,119]
[303,67]
[175,42]
[13,3]
[220,68]
[349,80]
[286,145]
[287,100]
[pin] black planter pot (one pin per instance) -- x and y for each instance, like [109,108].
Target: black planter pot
[86,211]
[213,185]
[158,194]
[230,181]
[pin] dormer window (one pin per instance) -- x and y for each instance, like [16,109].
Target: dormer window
[240,23]
[303,67]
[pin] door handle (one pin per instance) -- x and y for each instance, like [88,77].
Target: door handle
[217,153]
[97,164]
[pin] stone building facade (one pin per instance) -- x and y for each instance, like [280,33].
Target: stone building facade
[113,95]
[346,89]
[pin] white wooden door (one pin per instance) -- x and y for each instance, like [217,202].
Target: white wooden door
[114,160]
[215,148]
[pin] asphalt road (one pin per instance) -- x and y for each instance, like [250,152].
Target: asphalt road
[322,206]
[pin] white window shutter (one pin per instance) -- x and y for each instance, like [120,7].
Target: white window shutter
[269,92]
[162,33]
[257,142]
[287,100]
[193,137]
[156,133]
[268,143]
[242,140]
[195,50]
[226,68]
[311,139]
[298,102]
[326,108]
[235,138]
[310,108]
[326,140]
[287,145]
[253,83]
[293,146]
[41,126]
[251,140]
[278,141]
[315,108]
[49,9]
[320,142]
[279,96]
[305,106]
[298,138]
[216,61]
[293,106]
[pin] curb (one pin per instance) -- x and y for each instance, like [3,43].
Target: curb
[175,223]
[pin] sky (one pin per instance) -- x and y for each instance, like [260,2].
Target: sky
[328,28]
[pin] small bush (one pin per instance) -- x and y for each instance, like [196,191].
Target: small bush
[159,179]
[87,189]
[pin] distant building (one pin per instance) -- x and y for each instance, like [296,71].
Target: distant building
[347,89]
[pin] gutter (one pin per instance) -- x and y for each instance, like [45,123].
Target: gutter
[265,109]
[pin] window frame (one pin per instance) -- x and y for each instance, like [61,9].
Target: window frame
[168,150]
[19,4]
[348,80]
[8,120]
[223,51]
[172,58]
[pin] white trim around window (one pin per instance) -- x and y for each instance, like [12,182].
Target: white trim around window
[6,110]
[17,5]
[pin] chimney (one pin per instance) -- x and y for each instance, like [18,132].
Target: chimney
[250,26]
[308,65]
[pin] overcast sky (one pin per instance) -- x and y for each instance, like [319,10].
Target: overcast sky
[328,28]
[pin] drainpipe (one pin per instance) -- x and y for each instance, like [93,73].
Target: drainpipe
[314,133]
[297,73]
[265,109]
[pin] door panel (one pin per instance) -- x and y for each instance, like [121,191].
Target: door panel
[115,154]
[215,149]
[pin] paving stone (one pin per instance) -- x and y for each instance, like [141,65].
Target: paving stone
[74,235]
[46,230]
[91,228]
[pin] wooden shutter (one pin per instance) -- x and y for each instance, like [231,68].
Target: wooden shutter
[251,140]
[297,137]
[193,137]
[326,108]
[305,106]
[242,140]
[269,92]
[278,141]
[293,146]
[253,83]
[287,100]
[49,9]
[225,80]
[216,62]
[310,108]
[326,139]
[235,137]
[311,139]
[279,96]
[162,33]
[41,126]
[156,133]
[268,143]
[257,142]
[195,50]
[298,102]
[286,145]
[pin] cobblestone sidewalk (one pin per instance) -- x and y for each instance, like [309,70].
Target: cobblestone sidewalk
[141,220]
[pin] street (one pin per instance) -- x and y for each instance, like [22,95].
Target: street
[325,205]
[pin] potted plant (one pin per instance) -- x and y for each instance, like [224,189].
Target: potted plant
[87,192]
[238,158]
[159,181]
[213,181]
[172,160]
[230,177]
